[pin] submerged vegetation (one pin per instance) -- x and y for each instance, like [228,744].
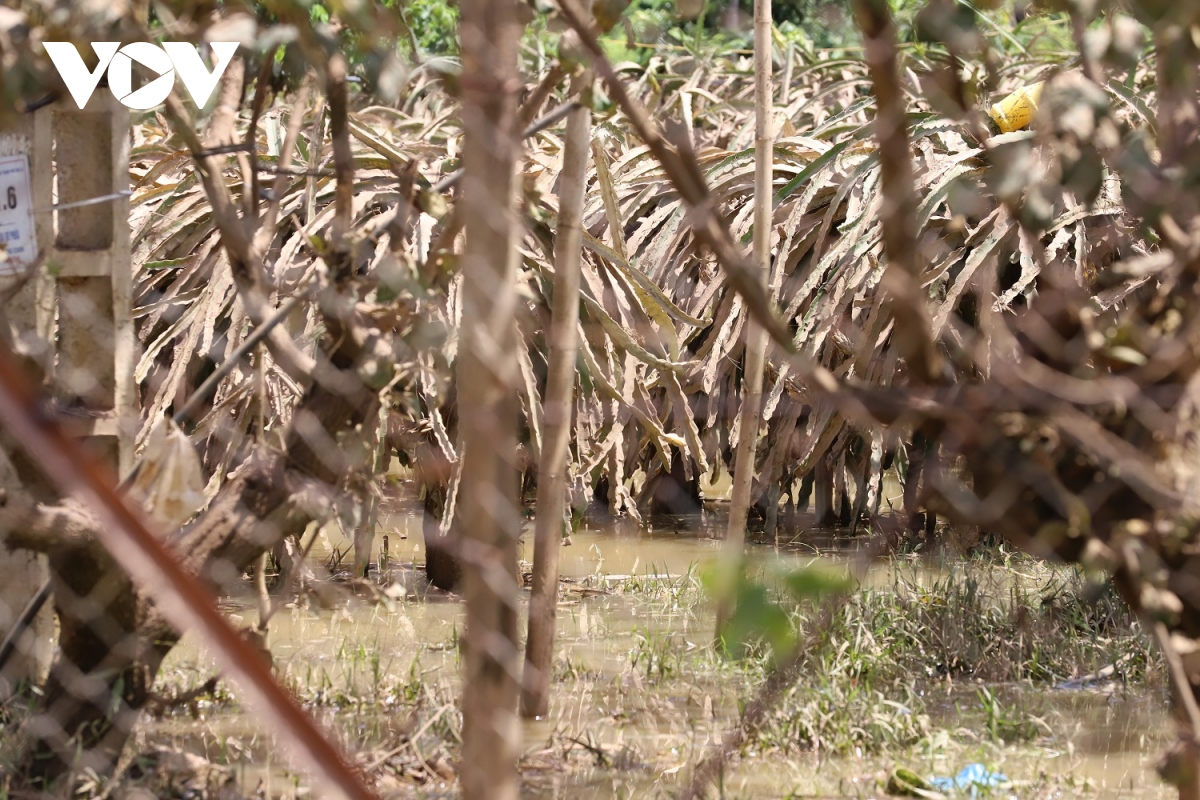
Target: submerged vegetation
[932,662]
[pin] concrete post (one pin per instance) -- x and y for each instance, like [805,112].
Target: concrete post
[87,255]
[79,307]
[23,573]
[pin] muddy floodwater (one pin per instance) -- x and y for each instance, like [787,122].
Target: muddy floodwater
[639,695]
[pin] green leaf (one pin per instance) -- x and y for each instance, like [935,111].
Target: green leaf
[758,618]
[433,204]
[812,169]
[170,263]
[904,782]
[657,304]
[816,580]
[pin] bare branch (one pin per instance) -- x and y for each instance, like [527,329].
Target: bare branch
[182,599]
[540,94]
[343,159]
[686,177]
[40,529]
[244,258]
[261,91]
[902,279]
[266,228]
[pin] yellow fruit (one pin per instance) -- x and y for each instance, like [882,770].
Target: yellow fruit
[1016,111]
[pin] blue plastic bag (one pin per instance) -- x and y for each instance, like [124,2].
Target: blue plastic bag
[970,778]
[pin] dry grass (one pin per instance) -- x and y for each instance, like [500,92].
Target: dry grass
[930,663]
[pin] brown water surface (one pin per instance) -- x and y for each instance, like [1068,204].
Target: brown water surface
[636,723]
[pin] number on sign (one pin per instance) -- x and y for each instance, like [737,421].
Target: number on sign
[11,198]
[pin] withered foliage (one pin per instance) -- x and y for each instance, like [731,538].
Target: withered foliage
[1011,318]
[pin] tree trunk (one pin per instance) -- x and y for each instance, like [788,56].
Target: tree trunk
[804,495]
[22,574]
[487,381]
[112,641]
[79,726]
[841,491]
[560,385]
[823,493]
[364,534]
[756,335]
[443,567]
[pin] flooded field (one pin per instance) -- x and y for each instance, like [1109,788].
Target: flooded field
[640,695]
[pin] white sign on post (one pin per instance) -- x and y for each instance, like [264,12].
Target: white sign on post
[17,237]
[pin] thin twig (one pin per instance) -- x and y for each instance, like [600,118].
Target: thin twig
[688,179]
[289,581]
[260,333]
[784,674]
[537,98]
[267,226]
[245,259]
[343,158]
[897,214]
[22,623]
[261,86]
[1184,693]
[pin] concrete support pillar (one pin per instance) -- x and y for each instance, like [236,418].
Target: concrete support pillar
[23,573]
[88,258]
[76,311]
